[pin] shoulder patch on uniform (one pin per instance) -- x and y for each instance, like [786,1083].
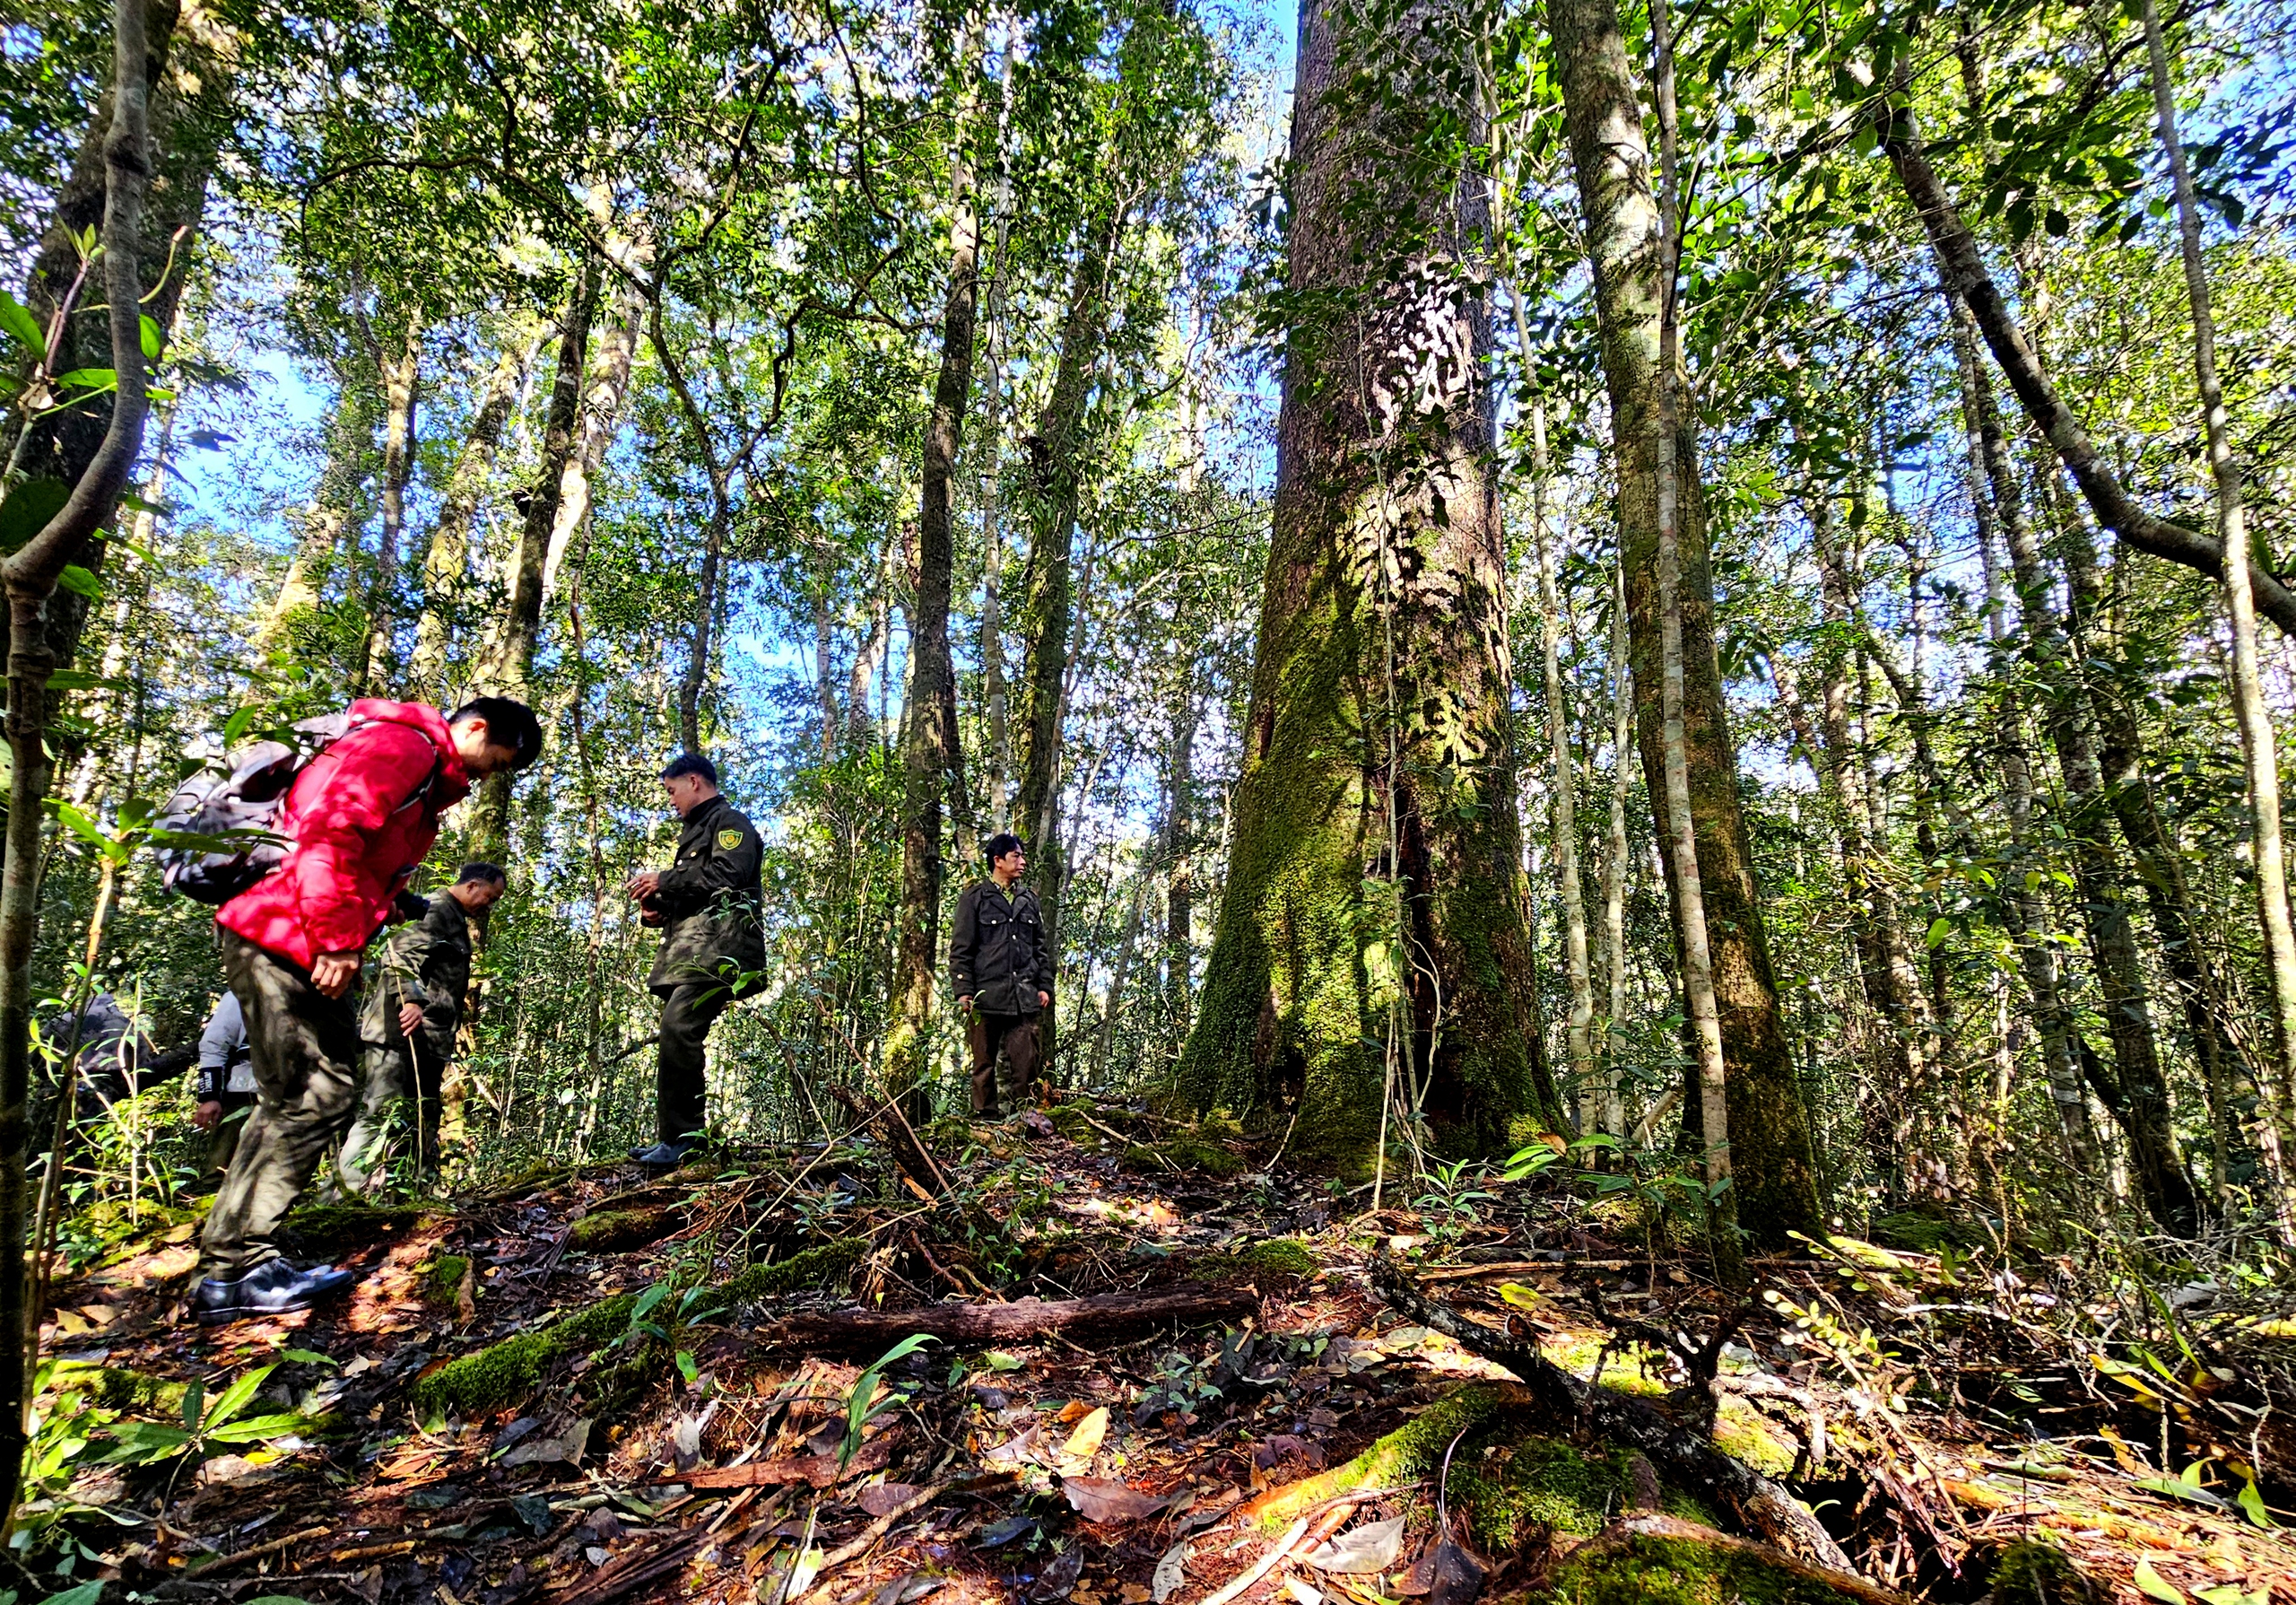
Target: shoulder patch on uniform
[728,839]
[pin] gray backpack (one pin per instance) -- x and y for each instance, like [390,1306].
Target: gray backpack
[216,834]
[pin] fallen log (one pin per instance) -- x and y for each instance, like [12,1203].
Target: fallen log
[1107,1315]
[1690,1458]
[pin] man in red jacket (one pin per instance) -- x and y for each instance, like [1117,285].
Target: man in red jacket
[360,817]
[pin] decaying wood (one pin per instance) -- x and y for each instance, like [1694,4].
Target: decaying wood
[1108,1315]
[1762,1505]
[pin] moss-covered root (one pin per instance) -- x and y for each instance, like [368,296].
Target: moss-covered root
[339,1228]
[2034,1571]
[1406,1454]
[480,1383]
[815,1267]
[1659,1560]
[1183,1154]
[1278,1259]
[618,1230]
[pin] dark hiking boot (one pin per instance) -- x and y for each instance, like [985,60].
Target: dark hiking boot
[272,1288]
[666,1156]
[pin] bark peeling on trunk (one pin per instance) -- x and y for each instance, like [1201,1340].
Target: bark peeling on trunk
[1379,719]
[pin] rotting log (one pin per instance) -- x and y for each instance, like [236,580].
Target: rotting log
[1627,1560]
[1107,1315]
[1690,1460]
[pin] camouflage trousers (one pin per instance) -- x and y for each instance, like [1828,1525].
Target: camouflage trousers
[306,1048]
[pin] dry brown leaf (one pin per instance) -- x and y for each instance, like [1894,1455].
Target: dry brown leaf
[1086,1441]
[1106,1499]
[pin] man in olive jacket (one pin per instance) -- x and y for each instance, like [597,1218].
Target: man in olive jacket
[710,905]
[409,1021]
[1002,968]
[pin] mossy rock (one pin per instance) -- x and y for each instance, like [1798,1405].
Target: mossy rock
[1662,1560]
[1745,1433]
[1277,1257]
[443,1278]
[2035,1572]
[618,1230]
[813,1267]
[479,1384]
[333,1228]
[1186,1153]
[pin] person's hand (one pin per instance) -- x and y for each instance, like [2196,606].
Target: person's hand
[204,1117]
[333,972]
[644,884]
[965,1003]
[1044,999]
[410,1015]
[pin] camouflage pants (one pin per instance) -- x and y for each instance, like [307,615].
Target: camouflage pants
[305,1048]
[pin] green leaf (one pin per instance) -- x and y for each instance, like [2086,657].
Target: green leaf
[89,379]
[151,335]
[80,679]
[260,1428]
[2176,1488]
[236,1397]
[195,1393]
[18,320]
[1939,929]
[28,508]
[87,1594]
[80,581]
[237,725]
[2154,1587]
[2251,1502]
[300,1357]
[687,1368]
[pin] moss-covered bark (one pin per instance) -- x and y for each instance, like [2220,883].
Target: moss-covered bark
[1770,1156]
[1374,891]
[1659,1560]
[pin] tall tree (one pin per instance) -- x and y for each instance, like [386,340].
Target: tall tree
[1374,889]
[400,378]
[445,562]
[1770,1156]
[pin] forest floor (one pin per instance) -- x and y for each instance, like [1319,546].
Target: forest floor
[602,1386]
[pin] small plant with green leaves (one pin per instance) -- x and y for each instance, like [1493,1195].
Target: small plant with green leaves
[1452,1190]
[862,1405]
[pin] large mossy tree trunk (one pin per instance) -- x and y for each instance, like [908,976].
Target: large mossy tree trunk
[1771,1153]
[1374,890]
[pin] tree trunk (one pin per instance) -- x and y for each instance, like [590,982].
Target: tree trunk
[1775,1171]
[31,574]
[189,75]
[929,736]
[691,682]
[1375,886]
[1962,267]
[2257,742]
[1994,497]
[512,669]
[1579,1036]
[331,514]
[1614,856]
[1176,850]
[446,566]
[400,380]
[609,384]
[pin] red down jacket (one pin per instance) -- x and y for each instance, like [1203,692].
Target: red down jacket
[358,830]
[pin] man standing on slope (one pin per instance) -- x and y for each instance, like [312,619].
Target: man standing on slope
[360,817]
[409,1024]
[1001,969]
[710,905]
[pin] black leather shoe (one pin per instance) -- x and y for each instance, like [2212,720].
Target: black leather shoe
[272,1288]
[664,1156]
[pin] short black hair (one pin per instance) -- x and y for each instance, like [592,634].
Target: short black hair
[479,869]
[691,764]
[1001,843]
[509,723]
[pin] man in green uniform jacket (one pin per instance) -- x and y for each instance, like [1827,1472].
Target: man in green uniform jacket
[710,905]
[1001,969]
[408,1024]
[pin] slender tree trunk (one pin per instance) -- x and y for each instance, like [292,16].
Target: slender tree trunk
[1615,858]
[992,481]
[511,672]
[1993,495]
[2258,741]
[327,519]
[928,745]
[699,647]
[190,75]
[1176,850]
[1375,884]
[400,382]
[1774,1168]
[601,403]
[31,574]
[1960,265]
[1579,1033]
[1122,973]
[446,565]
